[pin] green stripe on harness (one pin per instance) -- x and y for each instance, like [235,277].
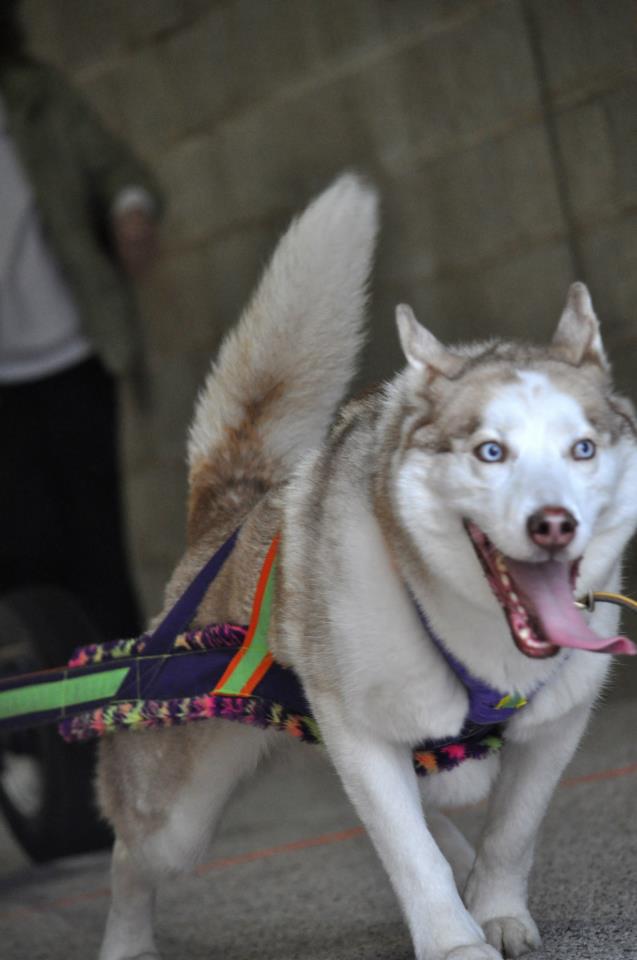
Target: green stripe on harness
[58,694]
[256,652]
[254,656]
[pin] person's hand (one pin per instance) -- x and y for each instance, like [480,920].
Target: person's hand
[136,242]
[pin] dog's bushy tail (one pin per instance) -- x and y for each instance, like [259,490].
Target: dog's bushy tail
[282,371]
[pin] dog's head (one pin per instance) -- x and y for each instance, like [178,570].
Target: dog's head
[524,459]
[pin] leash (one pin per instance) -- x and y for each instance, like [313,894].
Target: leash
[593,597]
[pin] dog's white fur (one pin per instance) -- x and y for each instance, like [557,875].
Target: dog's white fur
[373,506]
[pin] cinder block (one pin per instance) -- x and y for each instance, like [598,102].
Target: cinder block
[325,131]
[459,306]
[610,251]
[234,265]
[101,89]
[200,190]
[585,43]
[257,169]
[177,303]
[469,82]
[407,247]
[200,69]
[197,293]
[404,17]
[452,306]
[143,21]
[382,356]
[610,255]
[89,33]
[493,198]
[196,8]
[156,508]
[151,578]
[378,103]
[135,441]
[180,83]
[524,294]
[587,153]
[598,143]
[518,296]
[174,384]
[275,155]
[43,29]
[151,109]
[343,29]
[621,112]
[272,45]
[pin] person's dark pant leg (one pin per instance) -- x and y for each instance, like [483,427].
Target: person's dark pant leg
[60,501]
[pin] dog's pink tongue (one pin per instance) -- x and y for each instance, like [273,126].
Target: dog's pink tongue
[548,589]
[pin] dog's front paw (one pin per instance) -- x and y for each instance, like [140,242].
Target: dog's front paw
[513,936]
[474,951]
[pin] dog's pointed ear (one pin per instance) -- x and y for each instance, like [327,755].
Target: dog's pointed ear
[422,350]
[577,338]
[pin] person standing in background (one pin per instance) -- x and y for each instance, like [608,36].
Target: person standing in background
[78,223]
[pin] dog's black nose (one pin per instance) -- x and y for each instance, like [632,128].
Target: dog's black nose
[551,527]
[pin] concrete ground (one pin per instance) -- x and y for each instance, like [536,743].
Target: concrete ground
[292,875]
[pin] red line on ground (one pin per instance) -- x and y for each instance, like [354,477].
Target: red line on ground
[600,775]
[322,840]
[62,903]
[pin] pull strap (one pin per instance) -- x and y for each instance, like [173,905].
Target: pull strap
[181,613]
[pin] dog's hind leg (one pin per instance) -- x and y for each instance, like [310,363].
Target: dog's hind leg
[455,847]
[129,928]
[169,817]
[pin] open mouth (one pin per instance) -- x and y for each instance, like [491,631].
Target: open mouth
[538,602]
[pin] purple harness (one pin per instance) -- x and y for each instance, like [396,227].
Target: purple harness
[178,675]
[486,704]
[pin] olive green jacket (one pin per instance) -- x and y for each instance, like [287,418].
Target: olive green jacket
[76,169]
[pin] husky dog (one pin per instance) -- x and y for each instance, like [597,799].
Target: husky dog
[448,518]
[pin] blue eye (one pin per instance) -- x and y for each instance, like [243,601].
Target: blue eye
[583,450]
[490,452]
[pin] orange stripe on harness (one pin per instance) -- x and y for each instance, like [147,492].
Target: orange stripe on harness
[258,675]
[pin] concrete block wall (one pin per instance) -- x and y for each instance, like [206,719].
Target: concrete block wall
[503,134]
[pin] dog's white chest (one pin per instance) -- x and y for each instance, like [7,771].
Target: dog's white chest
[397,682]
